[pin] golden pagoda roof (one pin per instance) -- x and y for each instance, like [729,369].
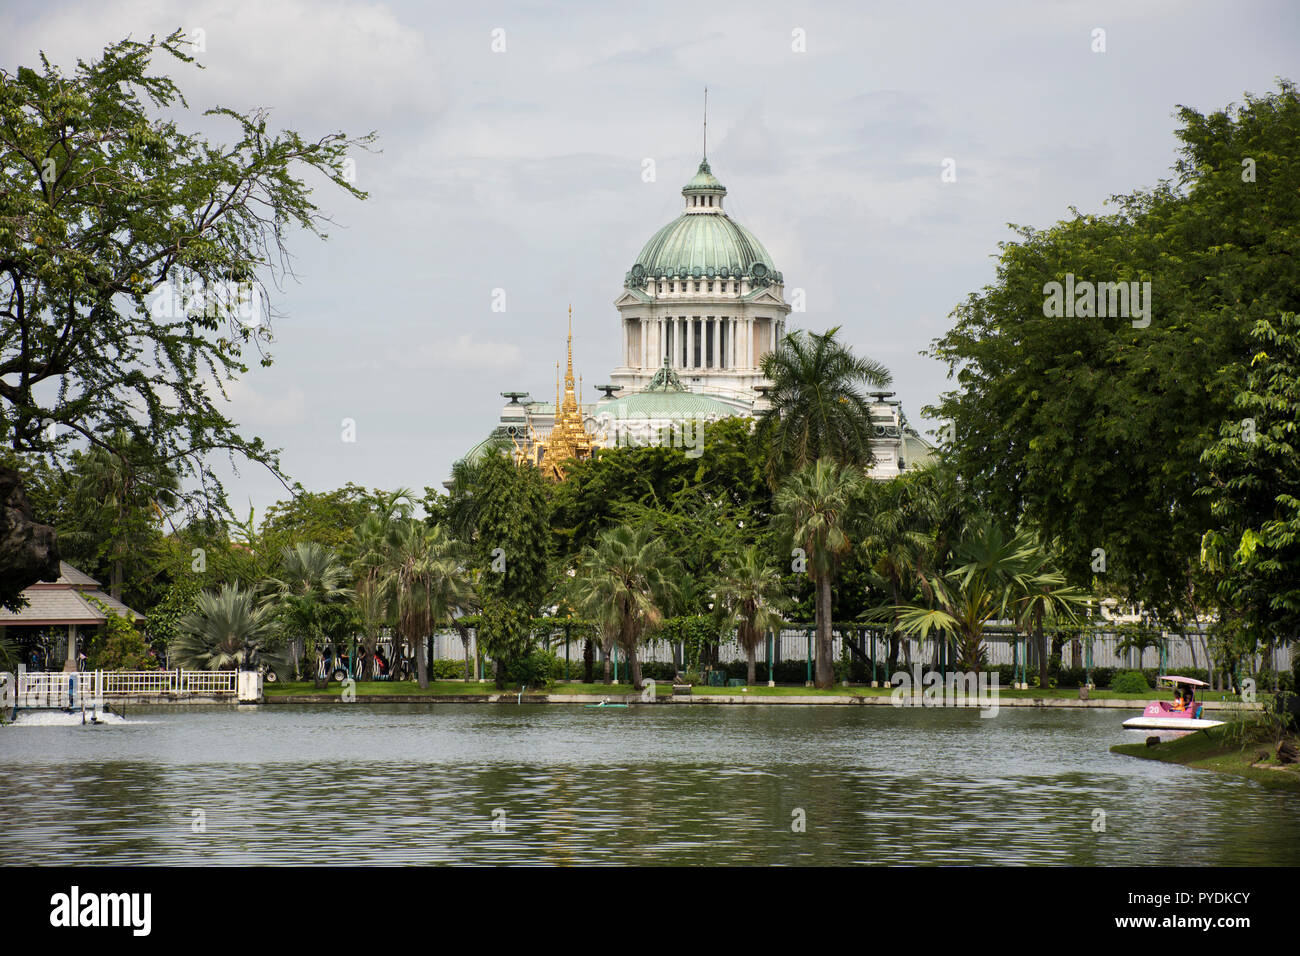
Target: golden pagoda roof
[568,438]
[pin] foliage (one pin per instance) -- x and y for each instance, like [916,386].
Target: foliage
[813,505]
[749,593]
[818,407]
[119,646]
[1129,682]
[624,581]
[1093,428]
[536,669]
[101,204]
[425,585]
[1255,477]
[227,629]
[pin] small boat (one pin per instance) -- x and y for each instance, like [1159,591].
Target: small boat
[1182,713]
[603,703]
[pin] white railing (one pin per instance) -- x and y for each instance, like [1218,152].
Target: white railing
[60,689]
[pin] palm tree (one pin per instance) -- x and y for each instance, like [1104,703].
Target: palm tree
[1044,597]
[1000,577]
[891,516]
[127,493]
[812,507]
[748,591]
[228,629]
[425,584]
[818,406]
[312,582]
[372,615]
[624,582]
[371,553]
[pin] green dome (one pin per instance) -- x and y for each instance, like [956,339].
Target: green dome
[664,405]
[703,243]
[703,246]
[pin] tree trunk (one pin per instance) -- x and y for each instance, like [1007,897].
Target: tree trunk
[501,674]
[825,667]
[464,640]
[421,663]
[1043,659]
[115,587]
[749,679]
[634,667]
[588,662]
[604,649]
[893,636]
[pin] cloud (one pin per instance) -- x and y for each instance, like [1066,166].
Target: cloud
[250,408]
[462,353]
[342,63]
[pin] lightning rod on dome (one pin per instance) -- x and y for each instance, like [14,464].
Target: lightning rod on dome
[706,124]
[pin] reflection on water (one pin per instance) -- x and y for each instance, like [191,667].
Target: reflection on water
[649,785]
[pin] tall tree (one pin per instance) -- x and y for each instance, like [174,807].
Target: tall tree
[133,256]
[373,541]
[426,584]
[624,582]
[749,593]
[1254,489]
[813,507]
[118,500]
[509,507]
[819,407]
[1090,417]
[310,594]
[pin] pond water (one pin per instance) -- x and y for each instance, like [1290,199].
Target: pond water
[552,784]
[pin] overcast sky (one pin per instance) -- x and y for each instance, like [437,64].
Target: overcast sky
[521,169]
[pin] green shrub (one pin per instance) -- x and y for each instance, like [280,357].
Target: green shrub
[1129,682]
[450,669]
[118,646]
[534,669]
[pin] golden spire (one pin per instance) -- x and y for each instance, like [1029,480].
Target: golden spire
[568,439]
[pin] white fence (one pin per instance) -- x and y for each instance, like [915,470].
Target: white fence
[793,644]
[60,689]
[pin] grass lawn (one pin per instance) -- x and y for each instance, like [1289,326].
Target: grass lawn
[1213,749]
[664,689]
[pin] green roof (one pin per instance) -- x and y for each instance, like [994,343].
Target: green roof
[704,245]
[665,405]
[704,181]
[664,398]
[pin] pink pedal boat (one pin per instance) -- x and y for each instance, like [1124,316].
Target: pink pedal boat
[1183,713]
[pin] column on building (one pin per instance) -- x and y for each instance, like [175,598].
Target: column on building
[713,342]
[690,343]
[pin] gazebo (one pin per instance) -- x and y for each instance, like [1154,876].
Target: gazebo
[74,601]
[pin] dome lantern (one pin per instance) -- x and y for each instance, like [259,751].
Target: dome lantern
[704,192]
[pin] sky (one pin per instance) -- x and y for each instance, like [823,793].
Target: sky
[511,144]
